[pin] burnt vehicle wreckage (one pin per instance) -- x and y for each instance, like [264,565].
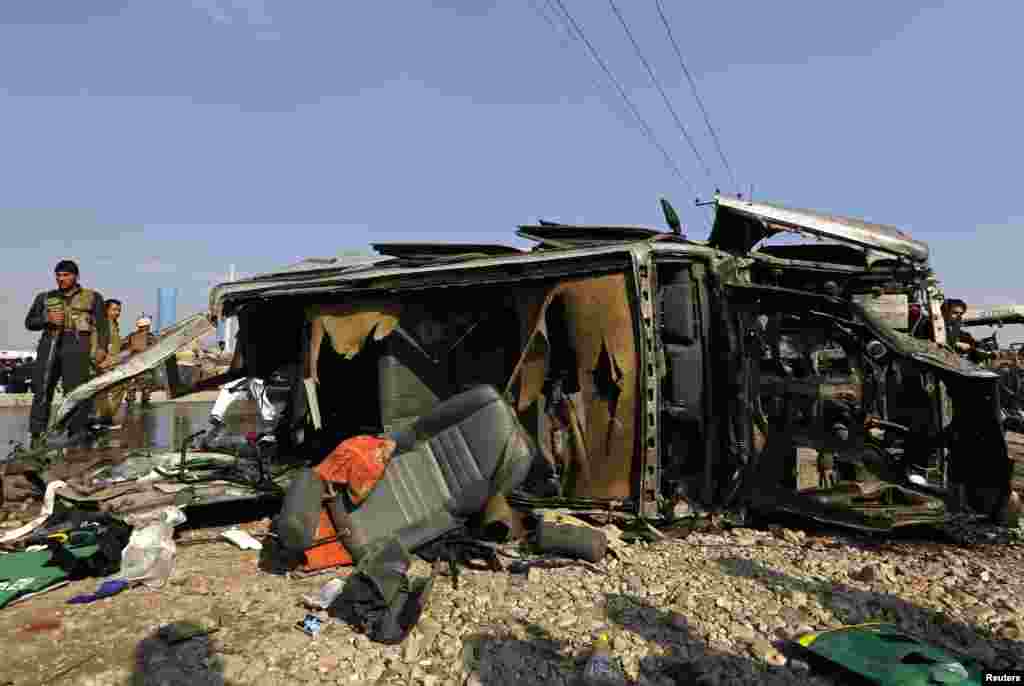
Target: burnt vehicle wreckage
[615,369]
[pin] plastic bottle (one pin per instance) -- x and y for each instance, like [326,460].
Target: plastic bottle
[602,669]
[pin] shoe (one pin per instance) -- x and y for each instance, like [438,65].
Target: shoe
[209,438]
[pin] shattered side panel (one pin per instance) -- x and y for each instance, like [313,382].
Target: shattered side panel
[600,329]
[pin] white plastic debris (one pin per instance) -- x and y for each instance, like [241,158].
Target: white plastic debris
[48,500]
[149,555]
[243,539]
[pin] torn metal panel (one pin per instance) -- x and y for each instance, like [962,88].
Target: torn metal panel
[740,225]
[348,326]
[834,254]
[530,370]
[177,337]
[891,308]
[839,259]
[601,334]
[322,264]
[425,251]
[574,236]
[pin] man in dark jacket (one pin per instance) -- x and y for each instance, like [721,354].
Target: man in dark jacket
[953,311]
[69,317]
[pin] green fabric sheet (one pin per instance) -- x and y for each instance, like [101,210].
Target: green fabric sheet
[31,572]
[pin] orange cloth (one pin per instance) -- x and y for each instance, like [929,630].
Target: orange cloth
[358,462]
[327,555]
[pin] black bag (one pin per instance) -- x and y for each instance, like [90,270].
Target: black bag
[111,540]
[379,600]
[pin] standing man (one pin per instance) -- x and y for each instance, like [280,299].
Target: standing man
[75,337]
[138,341]
[953,312]
[108,402]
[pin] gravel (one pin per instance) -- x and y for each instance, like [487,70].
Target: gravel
[719,607]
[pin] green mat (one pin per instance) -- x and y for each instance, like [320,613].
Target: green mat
[886,656]
[24,573]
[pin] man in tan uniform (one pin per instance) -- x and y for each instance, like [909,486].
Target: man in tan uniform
[108,403]
[138,341]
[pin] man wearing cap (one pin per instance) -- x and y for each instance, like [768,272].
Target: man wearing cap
[74,326]
[138,341]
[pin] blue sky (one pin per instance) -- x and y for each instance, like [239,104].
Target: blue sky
[157,142]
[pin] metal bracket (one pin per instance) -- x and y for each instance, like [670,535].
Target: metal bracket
[650,472]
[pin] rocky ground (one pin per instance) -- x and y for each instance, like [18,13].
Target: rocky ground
[708,607]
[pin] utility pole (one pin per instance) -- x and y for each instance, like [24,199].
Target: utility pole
[229,329]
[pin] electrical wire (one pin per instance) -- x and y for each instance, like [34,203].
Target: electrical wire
[540,10]
[693,89]
[559,27]
[661,90]
[648,132]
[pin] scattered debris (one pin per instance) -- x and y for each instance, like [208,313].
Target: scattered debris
[327,594]
[179,632]
[311,625]
[243,539]
[106,590]
[149,555]
[48,503]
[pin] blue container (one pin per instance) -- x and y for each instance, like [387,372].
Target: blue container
[220,330]
[166,308]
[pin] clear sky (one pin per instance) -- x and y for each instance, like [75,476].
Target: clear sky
[158,142]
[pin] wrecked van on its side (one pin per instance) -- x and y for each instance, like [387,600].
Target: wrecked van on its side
[653,371]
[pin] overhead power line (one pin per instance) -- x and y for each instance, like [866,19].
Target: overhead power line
[696,96]
[657,84]
[540,10]
[563,32]
[629,103]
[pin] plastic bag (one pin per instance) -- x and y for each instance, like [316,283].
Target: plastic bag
[322,601]
[149,555]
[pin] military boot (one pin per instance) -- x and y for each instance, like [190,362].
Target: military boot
[209,439]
